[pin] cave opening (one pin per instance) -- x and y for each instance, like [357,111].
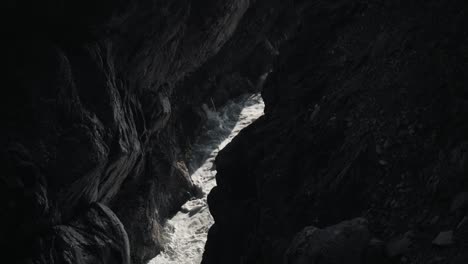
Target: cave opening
[185,234]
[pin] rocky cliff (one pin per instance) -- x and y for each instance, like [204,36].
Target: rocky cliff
[101,103]
[361,156]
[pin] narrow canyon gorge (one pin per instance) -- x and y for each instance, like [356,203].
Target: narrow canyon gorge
[234,132]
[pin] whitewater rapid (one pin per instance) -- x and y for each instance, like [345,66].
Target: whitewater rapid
[186,232]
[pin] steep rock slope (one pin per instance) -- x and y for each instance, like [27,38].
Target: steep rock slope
[365,117]
[102,100]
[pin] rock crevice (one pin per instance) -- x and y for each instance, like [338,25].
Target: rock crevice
[103,103]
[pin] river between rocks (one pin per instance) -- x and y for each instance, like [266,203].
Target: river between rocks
[186,233]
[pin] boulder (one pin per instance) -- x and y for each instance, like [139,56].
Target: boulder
[443,239]
[345,242]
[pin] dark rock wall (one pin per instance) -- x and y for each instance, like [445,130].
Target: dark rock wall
[365,117]
[101,102]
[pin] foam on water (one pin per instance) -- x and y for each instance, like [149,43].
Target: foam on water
[187,231]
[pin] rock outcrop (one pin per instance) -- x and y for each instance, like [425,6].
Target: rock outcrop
[365,117]
[101,103]
[343,243]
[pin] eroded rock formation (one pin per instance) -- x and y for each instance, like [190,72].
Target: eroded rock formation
[102,101]
[365,117]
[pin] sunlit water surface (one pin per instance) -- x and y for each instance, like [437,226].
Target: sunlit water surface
[186,232]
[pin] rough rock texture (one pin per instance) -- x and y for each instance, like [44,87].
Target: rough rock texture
[102,100]
[365,117]
[96,237]
[342,243]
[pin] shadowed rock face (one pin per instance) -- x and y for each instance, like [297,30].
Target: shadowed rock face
[342,243]
[97,236]
[365,117]
[102,103]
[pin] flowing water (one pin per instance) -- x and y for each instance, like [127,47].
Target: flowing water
[187,231]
